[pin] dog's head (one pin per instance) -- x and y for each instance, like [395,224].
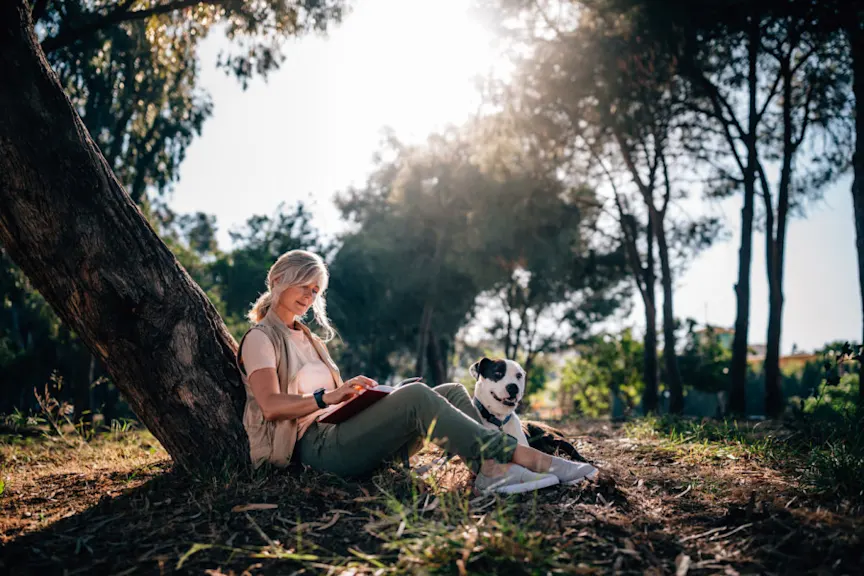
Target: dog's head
[500,384]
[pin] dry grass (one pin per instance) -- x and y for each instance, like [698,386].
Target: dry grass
[665,504]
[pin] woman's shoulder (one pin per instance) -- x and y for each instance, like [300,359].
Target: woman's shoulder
[258,331]
[258,337]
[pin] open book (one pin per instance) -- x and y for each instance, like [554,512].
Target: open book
[357,404]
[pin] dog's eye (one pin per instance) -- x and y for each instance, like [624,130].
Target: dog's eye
[519,376]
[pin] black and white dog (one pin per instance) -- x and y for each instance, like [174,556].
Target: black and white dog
[499,389]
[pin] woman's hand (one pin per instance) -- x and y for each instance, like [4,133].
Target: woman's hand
[349,389]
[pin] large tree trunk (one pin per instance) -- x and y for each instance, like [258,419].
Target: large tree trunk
[738,367]
[670,359]
[650,372]
[68,224]
[856,40]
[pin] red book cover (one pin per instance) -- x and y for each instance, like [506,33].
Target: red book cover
[356,404]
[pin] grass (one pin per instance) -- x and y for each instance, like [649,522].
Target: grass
[711,497]
[825,457]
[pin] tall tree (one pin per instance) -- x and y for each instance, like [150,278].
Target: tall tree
[789,81]
[440,223]
[813,95]
[852,23]
[69,225]
[563,282]
[614,100]
[729,54]
[717,50]
[412,239]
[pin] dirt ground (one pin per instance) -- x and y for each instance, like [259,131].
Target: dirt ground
[114,506]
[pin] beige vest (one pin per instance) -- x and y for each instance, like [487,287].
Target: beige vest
[274,441]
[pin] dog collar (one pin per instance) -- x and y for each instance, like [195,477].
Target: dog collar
[491,418]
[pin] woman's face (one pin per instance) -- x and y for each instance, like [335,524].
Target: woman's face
[298,299]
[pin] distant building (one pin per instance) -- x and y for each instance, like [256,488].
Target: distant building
[799,360]
[723,336]
[756,353]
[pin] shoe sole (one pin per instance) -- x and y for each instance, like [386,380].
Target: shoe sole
[526,486]
[590,476]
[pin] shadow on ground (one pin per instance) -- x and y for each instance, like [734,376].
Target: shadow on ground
[651,512]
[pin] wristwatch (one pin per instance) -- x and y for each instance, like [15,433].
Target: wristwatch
[319,398]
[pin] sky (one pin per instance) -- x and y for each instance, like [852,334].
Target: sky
[313,127]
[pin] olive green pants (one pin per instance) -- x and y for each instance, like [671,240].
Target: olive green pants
[396,426]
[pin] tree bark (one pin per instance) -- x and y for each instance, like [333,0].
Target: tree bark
[738,367]
[69,225]
[650,372]
[436,361]
[670,359]
[856,41]
[775,237]
[84,397]
[423,338]
[429,306]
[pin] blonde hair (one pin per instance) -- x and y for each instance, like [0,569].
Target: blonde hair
[296,268]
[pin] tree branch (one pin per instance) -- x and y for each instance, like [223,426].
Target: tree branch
[552,26]
[118,15]
[718,102]
[668,192]
[769,202]
[628,160]
[805,123]
[804,59]
[770,97]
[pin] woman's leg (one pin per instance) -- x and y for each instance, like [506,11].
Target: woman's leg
[411,413]
[457,395]
[568,472]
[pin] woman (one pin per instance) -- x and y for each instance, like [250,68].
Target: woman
[291,381]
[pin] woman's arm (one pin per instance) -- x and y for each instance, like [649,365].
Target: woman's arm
[274,405]
[277,406]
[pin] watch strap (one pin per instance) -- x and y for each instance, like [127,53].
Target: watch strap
[319,398]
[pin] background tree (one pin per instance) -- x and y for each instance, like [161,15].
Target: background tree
[628,128]
[813,95]
[440,223]
[607,369]
[705,361]
[413,218]
[849,18]
[734,58]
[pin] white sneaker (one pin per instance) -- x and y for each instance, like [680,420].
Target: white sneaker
[516,480]
[571,473]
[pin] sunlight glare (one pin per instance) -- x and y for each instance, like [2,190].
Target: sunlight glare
[415,64]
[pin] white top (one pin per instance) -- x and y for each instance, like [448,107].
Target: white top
[258,353]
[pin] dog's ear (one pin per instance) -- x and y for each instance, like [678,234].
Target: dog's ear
[479,367]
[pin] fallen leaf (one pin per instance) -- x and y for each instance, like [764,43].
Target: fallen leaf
[431,506]
[682,564]
[246,507]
